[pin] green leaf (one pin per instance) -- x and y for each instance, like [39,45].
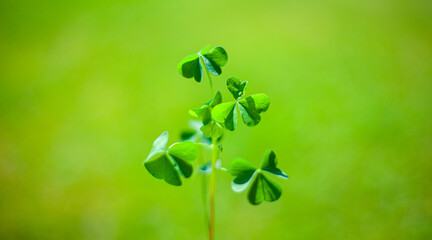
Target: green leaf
[212,130]
[264,189]
[239,166]
[211,66]
[167,164]
[159,145]
[243,172]
[204,111]
[214,59]
[190,66]
[251,108]
[162,167]
[259,101]
[226,113]
[269,164]
[236,87]
[184,153]
[216,100]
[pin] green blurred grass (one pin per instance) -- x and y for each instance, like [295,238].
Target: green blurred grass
[85,87]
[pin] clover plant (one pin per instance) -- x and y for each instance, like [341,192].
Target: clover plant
[179,161]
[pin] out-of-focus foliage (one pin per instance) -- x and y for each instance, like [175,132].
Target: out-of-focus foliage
[82,85]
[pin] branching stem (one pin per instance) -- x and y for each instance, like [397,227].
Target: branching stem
[212,184]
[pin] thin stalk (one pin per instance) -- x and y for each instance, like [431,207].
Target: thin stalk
[215,153]
[212,183]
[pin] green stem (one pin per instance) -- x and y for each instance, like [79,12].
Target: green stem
[215,153]
[212,183]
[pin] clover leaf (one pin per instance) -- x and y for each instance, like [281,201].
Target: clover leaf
[214,59]
[250,107]
[262,188]
[169,164]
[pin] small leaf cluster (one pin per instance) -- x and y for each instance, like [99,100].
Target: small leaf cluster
[176,162]
[250,107]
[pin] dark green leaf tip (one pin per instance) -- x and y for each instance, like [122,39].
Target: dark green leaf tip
[190,67]
[236,87]
[264,189]
[269,164]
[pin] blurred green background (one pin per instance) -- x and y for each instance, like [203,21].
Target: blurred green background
[86,86]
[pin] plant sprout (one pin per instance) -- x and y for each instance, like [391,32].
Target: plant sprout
[178,161]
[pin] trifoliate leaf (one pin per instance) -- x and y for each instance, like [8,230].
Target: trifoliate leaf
[190,66]
[236,87]
[262,188]
[250,107]
[168,164]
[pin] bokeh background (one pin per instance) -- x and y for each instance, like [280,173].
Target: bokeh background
[86,86]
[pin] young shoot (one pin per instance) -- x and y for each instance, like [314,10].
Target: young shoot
[205,136]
